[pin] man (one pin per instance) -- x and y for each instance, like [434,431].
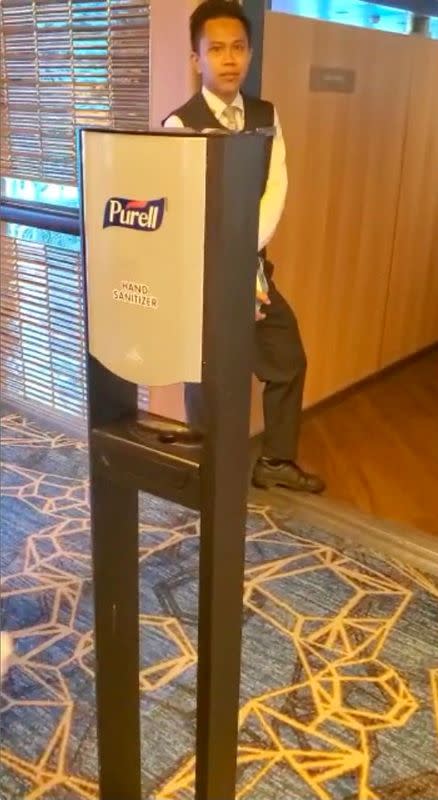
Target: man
[221,53]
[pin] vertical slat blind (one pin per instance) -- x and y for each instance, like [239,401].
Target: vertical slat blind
[64,63]
[42,324]
[67,63]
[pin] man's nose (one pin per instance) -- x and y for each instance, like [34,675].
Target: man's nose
[230,56]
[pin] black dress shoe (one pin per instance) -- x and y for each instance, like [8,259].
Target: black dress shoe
[269,473]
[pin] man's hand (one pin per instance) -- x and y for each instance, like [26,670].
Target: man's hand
[264,300]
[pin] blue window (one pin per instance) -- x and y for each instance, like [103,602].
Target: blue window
[39,192]
[353,12]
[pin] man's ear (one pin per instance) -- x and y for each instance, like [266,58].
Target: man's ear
[194,58]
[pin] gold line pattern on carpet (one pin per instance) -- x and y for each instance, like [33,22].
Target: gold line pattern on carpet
[320,724]
[332,653]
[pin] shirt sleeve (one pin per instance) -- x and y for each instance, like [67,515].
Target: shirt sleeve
[274,198]
[173,122]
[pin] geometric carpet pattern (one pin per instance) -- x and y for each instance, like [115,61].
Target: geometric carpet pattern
[339,692]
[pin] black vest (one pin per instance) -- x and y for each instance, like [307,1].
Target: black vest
[197,114]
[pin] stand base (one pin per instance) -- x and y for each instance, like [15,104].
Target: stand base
[133,455]
[170,431]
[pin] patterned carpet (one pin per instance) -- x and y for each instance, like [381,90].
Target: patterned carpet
[339,696]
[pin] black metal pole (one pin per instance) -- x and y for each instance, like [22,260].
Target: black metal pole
[420,24]
[114,540]
[233,181]
[114,534]
[37,215]
[114,512]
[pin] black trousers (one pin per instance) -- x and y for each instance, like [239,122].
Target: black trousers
[280,363]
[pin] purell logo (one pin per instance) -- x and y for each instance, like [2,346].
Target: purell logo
[139,215]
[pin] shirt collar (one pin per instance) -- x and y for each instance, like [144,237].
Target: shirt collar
[217,106]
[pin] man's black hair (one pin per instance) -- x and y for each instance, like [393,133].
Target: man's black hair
[215,9]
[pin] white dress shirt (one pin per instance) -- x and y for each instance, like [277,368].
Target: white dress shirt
[273,200]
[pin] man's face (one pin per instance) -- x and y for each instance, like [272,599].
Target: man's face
[223,56]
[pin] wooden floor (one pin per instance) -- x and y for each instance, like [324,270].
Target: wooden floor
[378,447]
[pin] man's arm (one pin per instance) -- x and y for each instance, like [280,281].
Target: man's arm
[173,122]
[273,200]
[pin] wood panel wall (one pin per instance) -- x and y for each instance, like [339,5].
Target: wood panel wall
[411,321]
[333,249]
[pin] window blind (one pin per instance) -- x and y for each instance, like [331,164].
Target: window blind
[64,63]
[68,63]
[42,333]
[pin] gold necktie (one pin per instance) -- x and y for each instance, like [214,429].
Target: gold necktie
[230,117]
